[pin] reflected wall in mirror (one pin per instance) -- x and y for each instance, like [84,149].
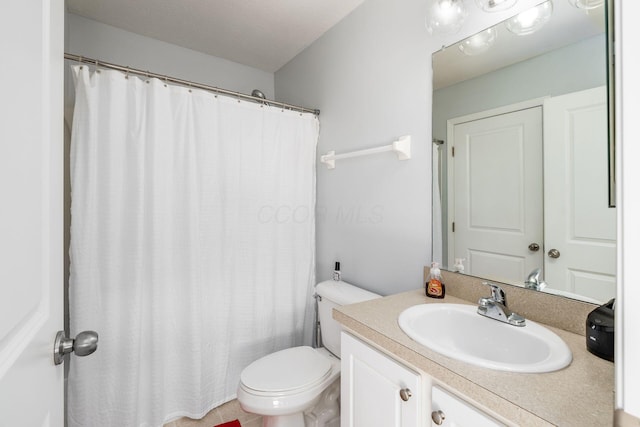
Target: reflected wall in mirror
[521,177]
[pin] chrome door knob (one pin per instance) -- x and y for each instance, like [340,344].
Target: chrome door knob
[84,344]
[554,253]
[438,417]
[405,394]
[534,247]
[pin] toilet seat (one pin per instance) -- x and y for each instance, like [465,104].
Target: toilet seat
[287,371]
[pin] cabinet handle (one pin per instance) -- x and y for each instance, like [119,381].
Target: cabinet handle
[405,394]
[437,417]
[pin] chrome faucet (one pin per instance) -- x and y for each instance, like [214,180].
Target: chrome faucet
[534,281]
[495,307]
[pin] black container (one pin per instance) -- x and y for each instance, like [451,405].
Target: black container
[600,331]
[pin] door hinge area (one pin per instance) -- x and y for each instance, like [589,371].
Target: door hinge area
[453,227]
[453,151]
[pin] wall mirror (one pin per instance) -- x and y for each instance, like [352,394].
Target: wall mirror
[521,154]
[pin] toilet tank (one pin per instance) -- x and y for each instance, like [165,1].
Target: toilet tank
[334,294]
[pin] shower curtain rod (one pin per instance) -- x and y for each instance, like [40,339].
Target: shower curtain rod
[230,93]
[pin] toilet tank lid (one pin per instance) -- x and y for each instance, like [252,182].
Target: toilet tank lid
[343,293]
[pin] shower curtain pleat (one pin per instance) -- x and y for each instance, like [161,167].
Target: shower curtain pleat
[192,245]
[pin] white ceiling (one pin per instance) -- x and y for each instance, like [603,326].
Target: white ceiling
[264,34]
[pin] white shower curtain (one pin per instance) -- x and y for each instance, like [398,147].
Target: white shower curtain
[192,245]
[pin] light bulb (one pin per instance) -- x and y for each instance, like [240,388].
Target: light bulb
[478,43]
[586,4]
[495,5]
[445,16]
[531,20]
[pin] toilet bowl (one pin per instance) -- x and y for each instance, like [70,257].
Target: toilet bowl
[285,384]
[300,386]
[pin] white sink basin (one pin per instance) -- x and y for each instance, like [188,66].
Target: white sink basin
[459,332]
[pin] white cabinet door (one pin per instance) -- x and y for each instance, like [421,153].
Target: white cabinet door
[374,388]
[455,412]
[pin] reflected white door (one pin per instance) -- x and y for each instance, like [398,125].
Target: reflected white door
[579,223]
[498,194]
[31,387]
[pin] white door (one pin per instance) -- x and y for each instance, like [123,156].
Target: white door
[31,45]
[580,226]
[628,158]
[497,194]
[376,390]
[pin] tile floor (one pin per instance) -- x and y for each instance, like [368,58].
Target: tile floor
[228,412]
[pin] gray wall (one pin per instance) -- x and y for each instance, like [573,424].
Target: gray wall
[569,69]
[374,211]
[370,76]
[100,41]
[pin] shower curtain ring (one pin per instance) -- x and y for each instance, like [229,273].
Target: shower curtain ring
[126,75]
[80,61]
[97,68]
[147,81]
[165,81]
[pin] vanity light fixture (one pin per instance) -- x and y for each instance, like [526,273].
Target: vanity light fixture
[531,20]
[445,16]
[495,5]
[586,4]
[478,43]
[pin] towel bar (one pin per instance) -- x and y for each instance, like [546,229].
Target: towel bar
[402,147]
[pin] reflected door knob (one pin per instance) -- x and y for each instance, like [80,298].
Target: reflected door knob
[405,394]
[554,253]
[437,417]
[534,247]
[84,344]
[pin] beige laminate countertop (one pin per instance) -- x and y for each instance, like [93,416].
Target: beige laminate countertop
[580,395]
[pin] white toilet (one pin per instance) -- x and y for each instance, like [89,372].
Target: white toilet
[300,386]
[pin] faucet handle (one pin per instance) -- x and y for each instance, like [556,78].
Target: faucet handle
[485,302]
[497,294]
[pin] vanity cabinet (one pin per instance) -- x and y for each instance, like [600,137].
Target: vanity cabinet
[376,390]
